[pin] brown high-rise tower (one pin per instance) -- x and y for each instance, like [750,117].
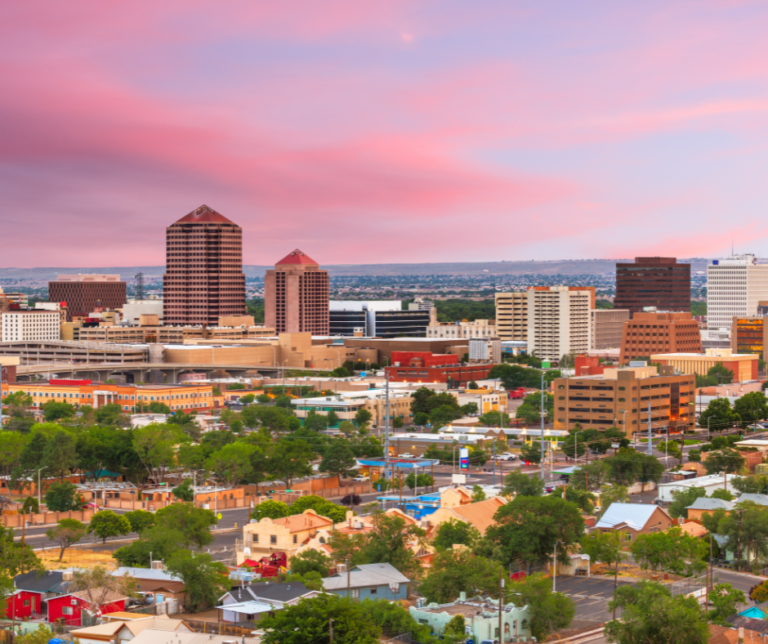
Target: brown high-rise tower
[660,282]
[296,296]
[204,269]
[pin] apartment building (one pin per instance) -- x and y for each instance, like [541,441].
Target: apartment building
[30,325]
[606,327]
[650,332]
[735,286]
[620,397]
[659,282]
[464,330]
[559,320]
[512,315]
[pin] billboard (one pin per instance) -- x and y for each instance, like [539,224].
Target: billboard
[463,458]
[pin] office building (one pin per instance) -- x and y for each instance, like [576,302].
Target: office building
[512,315]
[559,320]
[424,367]
[620,396]
[750,335]
[606,327]
[376,319]
[30,325]
[463,330]
[659,282]
[203,269]
[296,296]
[134,309]
[85,293]
[485,350]
[735,288]
[648,333]
[742,365]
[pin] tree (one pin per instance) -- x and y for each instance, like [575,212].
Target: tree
[470,409]
[530,410]
[574,444]
[423,480]
[290,460]
[108,524]
[547,611]
[493,419]
[232,463]
[54,410]
[111,414]
[745,529]
[263,399]
[362,418]
[63,497]
[156,445]
[753,484]
[247,399]
[194,523]
[283,401]
[592,477]
[724,495]
[322,506]
[613,494]
[16,558]
[157,543]
[66,532]
[453,532]
[456,571]
[518,484]
[629,466]
[41,635]
[11,446]
[718,415]
[420,419]
[307,621]
[60,455]
[98,586]
[140,520]
[30,506]
[443,415]
[184,491]
[204,579]
[725,599]
[271,509]
[671,551]
[726,461]
[528,528]
[531,453]
[398,422]
[683,499]
[583,499]
[19,417]
[339,459]
[721,374]
[478,494]
[651,615]
[311,561]
[751,407]
[607,548]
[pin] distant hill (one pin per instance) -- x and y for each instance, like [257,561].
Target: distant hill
[552,267]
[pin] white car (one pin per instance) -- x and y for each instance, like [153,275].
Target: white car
[406,455]
[361,479]
[506,457]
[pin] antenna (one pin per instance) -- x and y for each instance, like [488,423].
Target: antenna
[139,286]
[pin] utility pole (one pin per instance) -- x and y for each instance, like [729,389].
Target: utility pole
[386,430]
[542,427]
[554,567]
[709,569]
[330,624]
[650,442]
[501,602]
[349,581]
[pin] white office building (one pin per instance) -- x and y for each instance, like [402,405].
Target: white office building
[31,326]
[558,321]
[734,287]
[485,350]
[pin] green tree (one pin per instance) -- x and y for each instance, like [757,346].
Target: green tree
[725,599]
[531,453]
[398,422]
[108,524]
[423,480]
[470,409]
[725,461]
[629,466]
[30,506]
[613,494]
[607,548]
[751,407]
[420,419]
[158,543]
[156,445]
[54,410]
[548,612]
[651,615]
[323,507]
[290,460]
[63,497]
[60,455]
[583,499]
[140,520]
[193,523]
[745,530]
[15,557]
[311,561]
[333,418]
[518,484]
[339,459]
[574,444]
[530,410]
[66,533]
[456,571]
[671,551]
[111,414]
[271,509]
[453,532]
[263,399]
[184,491]
[283,401]
[725,374]
[753,484]
[232,463]
[718,415]
[683,499]
[725,495]
[593,477]
[205,580]
[362,418]
[41,635]
[528,527]
[493,419]
[307,621]
[11,446]
[478,494]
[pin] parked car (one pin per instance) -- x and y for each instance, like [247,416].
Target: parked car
[406,455]
[361,479]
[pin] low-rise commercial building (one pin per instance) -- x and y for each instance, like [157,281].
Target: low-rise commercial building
[346,404]
[463,330]
[652,332]
[621,396]
[743,366]
[415,366]
[30,326]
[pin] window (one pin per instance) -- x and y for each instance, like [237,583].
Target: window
[255,538]
[374,591]
[273,539]
[295,537]
[354,593]
[66,610]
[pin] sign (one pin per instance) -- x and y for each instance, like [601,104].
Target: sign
[218,516]
[463,458]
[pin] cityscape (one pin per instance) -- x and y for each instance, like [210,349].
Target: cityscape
[357,323]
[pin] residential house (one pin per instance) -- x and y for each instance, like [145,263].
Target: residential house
[23,604]
[751,632]
[37,588]
[249,603]
[117,631]
[479,514]
[287,535]
[634,519]
[156,582]
[481,618]
[707,505]
[74,608]
[369,581]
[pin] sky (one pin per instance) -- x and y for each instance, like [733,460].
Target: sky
[370,131]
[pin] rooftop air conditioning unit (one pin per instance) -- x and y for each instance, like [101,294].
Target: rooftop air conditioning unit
[341,568]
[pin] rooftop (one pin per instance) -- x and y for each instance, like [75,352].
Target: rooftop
[634,515]
[381,574]
[204,215]
[296,258]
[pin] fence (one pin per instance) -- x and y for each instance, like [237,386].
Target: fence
[44,518]
[217,628]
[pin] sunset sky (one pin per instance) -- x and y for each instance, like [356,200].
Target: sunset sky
[383,131]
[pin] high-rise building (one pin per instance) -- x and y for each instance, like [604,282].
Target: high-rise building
[296,296]
[606,328]
[735,287]
[559,320]
[750,335]
[204,277]
[86,293]
[659,282]
[512,315]
[650,332]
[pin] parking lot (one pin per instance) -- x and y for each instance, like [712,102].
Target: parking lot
[590,595]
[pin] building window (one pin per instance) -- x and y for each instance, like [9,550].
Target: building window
[66,610]
[374,591]
[273,539]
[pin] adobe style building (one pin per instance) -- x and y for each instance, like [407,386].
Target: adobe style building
[648,333]
[619,397]
[296,296]
[659,282]
[743,365]
[204,277]
[86,293]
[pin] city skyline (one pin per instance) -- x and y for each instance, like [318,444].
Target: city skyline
[395,132]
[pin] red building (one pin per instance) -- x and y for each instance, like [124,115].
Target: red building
[69,608]
[423,366]
[23,604]
[585,365]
